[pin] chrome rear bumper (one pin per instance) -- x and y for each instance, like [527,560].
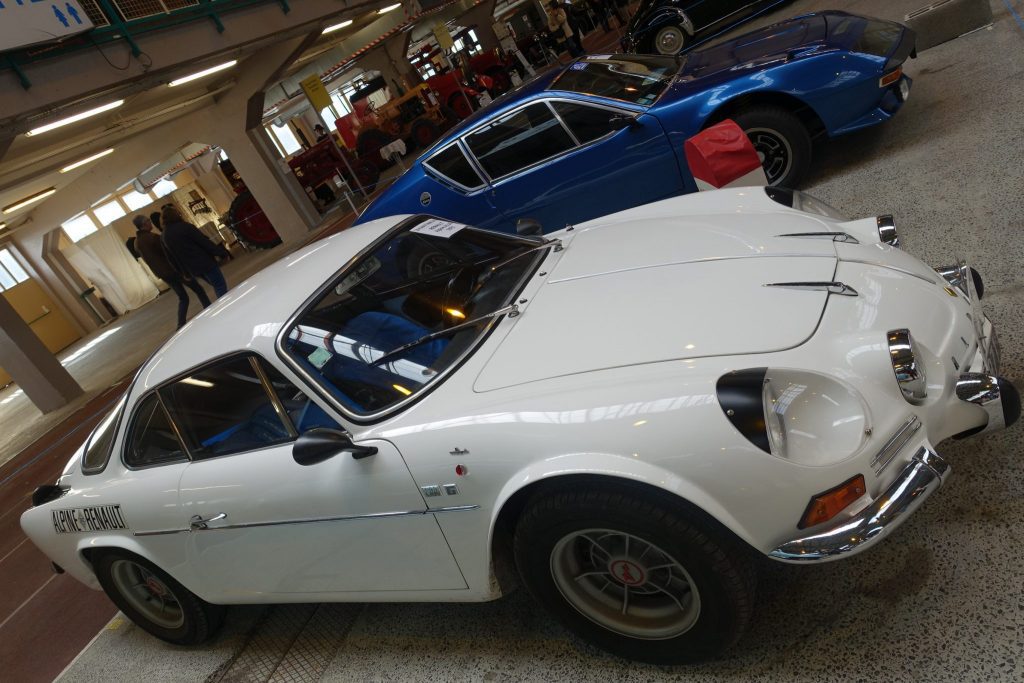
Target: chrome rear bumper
[920,478]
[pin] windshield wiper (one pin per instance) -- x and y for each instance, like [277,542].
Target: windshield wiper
[557,243]
[512,308]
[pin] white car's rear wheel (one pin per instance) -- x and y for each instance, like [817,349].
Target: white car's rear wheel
[634,574]
[156,602]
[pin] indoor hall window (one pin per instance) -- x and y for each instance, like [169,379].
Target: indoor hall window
[109,212]
[164,188]
[225,408]
[152,439]
[285,138]
[136,200]
[451,163]
[521,139]
[78,227]
[587,123]
[11,272]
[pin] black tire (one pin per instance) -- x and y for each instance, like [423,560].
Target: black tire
[368,175]
[424,132]
[368,146]
[718,574]
[189,621]
[783,141]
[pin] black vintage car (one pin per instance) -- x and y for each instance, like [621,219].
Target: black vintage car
[670,27]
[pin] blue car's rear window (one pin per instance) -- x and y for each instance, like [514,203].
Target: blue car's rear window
[639,79]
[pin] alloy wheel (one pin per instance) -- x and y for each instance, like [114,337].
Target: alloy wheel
[625,584]
[774,151]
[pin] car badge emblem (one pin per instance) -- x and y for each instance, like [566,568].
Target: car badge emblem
[458,451]
[425,199]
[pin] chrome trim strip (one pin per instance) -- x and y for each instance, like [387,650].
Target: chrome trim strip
[830,287]
[164,532]
[834,236]
[895,444]
[922,476]
[344,518]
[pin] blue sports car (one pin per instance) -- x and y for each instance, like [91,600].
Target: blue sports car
[606,132]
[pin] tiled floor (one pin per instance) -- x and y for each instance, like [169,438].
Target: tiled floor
[940,600]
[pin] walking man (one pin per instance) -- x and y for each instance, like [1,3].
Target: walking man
[192,251]
[151,249]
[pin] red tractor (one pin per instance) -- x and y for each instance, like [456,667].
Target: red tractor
[316,167]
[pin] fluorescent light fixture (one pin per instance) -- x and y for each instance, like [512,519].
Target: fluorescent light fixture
[382,10]
[3,226]
[337,27]
[31,199]
[402,390]
[204,72]
[197,382]
[77,117]
[83,162]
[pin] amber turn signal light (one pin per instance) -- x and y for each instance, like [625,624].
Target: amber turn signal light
[891,77]
[827,505]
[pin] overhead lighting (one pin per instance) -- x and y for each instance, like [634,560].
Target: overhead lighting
[3,226]
[32,199]
[402,390]
[382,10]
[197,382]
[455,313]
[77,117]
[337,27]
[204,72]
[83,162]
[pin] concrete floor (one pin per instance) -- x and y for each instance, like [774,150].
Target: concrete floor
[941,600]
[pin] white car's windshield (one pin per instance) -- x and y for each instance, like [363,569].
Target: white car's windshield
[397,319]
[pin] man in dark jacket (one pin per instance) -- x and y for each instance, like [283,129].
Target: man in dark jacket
[192,251]
[151,249]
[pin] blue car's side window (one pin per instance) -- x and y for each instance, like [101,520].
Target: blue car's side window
[586,123]
[523,138]
[453,165]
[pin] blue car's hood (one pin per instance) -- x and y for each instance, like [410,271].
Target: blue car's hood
[753,50]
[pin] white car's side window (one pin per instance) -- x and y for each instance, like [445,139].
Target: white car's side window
[152,439]
[234,405]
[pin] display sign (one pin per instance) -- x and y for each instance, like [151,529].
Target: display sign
[444,37]
[315,92]
[27,22]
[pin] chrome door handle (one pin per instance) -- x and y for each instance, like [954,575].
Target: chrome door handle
[197,523]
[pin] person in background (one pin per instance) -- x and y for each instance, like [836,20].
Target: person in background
[151,249]
[155,219]
[321,132]
[192,252]
[558,23]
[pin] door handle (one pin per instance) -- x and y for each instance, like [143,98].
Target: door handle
[197,523]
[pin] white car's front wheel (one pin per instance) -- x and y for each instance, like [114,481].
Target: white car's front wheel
[634,574]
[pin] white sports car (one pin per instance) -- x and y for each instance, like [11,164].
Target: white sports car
[620,415]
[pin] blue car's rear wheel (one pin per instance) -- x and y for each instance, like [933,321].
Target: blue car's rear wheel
[781,140]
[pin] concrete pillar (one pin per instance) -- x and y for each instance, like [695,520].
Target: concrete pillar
[29,363]
[234,124]
[482,16]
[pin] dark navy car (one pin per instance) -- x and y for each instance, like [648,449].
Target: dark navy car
[606,132]
[669,27]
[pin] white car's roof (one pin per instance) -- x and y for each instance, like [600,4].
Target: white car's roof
[251,314]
